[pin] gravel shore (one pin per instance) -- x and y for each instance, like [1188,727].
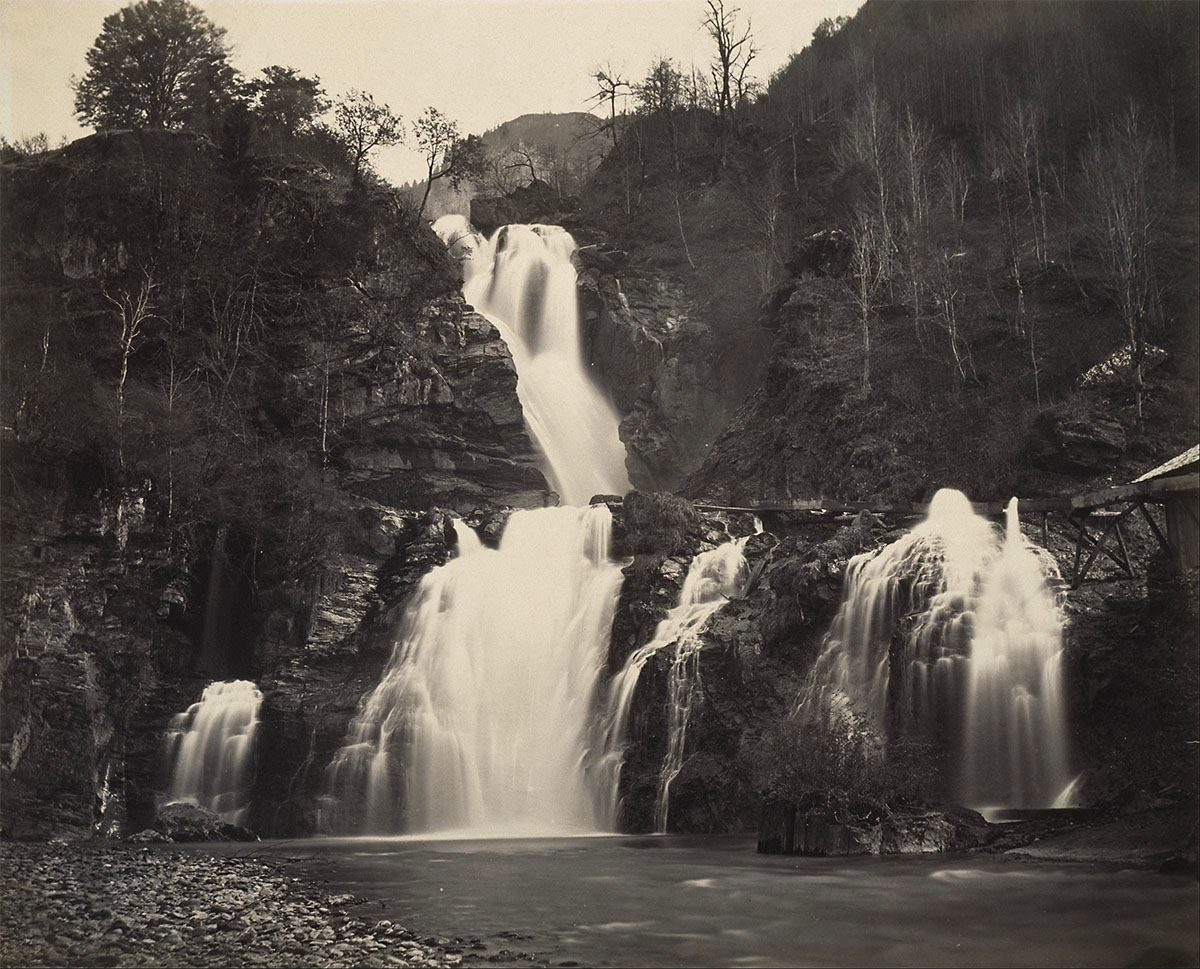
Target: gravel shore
[101,904]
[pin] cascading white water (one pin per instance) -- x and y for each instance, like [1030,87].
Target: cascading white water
[1015,751]
[951,632]
[523,279]
[211,749]
[713,577]
[483,720]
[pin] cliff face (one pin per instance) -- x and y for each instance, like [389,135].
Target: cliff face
[217,361]
[652,350]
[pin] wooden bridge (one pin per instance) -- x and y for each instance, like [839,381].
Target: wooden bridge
[1096,516]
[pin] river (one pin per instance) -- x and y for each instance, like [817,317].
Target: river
[699,901]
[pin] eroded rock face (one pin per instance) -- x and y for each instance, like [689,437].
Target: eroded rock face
[653,352]
[791,828]
[1077,444]
[756,651]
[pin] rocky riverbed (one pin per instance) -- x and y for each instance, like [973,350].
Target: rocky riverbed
[118,905]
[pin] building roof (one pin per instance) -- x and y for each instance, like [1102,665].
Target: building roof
[1180,464]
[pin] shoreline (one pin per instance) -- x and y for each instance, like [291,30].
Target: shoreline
[106,903]
[98,903]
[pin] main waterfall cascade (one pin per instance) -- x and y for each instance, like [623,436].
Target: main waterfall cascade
[524,281]
[486,719]
[483,721]
[713,577]
[211,749]
[953,632]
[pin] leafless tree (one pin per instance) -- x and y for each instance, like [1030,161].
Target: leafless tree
[133,311]
[870,256]
[734,54]
[1123,216]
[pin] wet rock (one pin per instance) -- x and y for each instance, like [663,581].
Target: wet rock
[97,904]
[190,822]
[148,836]
[788,827]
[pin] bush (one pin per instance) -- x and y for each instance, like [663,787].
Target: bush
[844,761]
[658,523]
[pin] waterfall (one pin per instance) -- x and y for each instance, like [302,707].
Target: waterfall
[1015,750]
[523,280]
[713,577]
[951,633]
[211,749]
[483,721]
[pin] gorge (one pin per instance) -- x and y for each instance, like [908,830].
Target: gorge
[484,567]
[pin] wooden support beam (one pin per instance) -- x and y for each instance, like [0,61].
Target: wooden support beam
[1162,539]
[1098,547]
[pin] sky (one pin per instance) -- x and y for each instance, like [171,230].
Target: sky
[482,62]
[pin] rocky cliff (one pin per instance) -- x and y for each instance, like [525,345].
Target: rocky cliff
[217,361]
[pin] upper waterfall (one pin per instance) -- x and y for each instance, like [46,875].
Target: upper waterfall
[523,280]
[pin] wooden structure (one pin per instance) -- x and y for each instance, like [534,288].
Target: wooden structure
[1096,516]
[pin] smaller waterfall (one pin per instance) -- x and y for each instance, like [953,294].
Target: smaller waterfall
[952,633]
[211,749]
[713,577]
[1015,750]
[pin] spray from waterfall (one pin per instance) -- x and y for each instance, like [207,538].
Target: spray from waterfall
[523,279]
[713,577]
[952,634]
[210,747]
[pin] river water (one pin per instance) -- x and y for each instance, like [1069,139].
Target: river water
[700,901]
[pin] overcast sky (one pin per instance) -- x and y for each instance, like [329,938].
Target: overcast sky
[480,61]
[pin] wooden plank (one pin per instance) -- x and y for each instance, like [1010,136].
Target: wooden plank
[1140,489]
[829,506]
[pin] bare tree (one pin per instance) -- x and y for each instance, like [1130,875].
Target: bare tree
[867,138]
[133,312]
[1123,216]
[735,51]
[914,155]
[869,259]
[364,125]
[609,87]
[947,285]
[956,181]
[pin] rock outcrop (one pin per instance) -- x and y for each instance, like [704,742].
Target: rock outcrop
[790,828]
[311,416]
[652,351]
[1078,444]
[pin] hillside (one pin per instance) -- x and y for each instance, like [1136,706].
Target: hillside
[944,160]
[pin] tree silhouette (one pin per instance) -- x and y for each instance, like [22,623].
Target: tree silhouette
[447,155]
[155,64]
[286,100]
[364,125]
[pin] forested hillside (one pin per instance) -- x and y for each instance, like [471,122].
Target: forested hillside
[948,214]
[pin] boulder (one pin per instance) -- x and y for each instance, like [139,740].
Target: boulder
[789,828]
[824,253]
[1075,443]
[190,822]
